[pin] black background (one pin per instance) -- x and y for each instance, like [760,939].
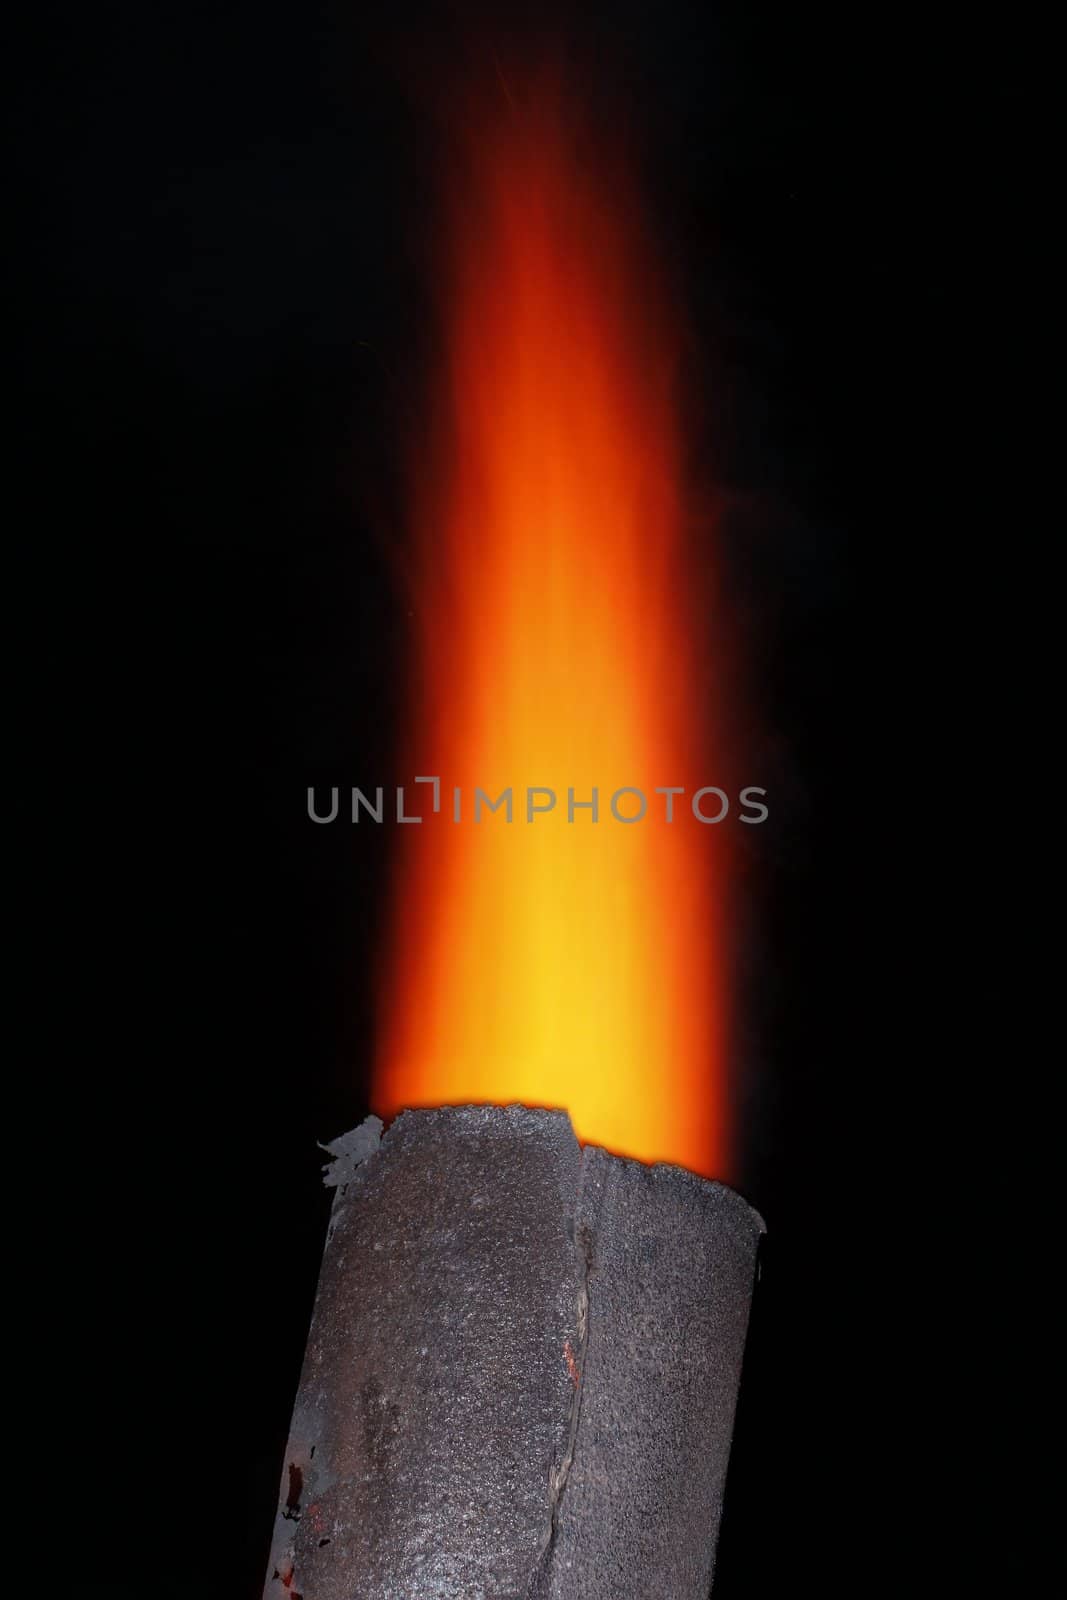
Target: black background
[222,328]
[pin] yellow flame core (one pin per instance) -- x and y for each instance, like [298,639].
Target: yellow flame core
[550,961]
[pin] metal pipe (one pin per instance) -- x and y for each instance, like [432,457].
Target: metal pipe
[522,1370]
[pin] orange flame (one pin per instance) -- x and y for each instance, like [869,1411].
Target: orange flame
[549,961]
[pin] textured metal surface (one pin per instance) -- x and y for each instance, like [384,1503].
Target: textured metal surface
[671,1262]
[521,1374]
[436,1395]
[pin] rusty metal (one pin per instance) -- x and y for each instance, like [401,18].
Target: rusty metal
[521,1374]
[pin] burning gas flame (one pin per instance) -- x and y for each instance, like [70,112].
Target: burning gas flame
[557,962]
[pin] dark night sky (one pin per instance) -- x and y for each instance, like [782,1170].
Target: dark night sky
[222,328]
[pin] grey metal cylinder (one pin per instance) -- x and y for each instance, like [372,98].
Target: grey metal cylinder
[522,1370]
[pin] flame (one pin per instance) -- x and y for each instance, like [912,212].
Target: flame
[556,962]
